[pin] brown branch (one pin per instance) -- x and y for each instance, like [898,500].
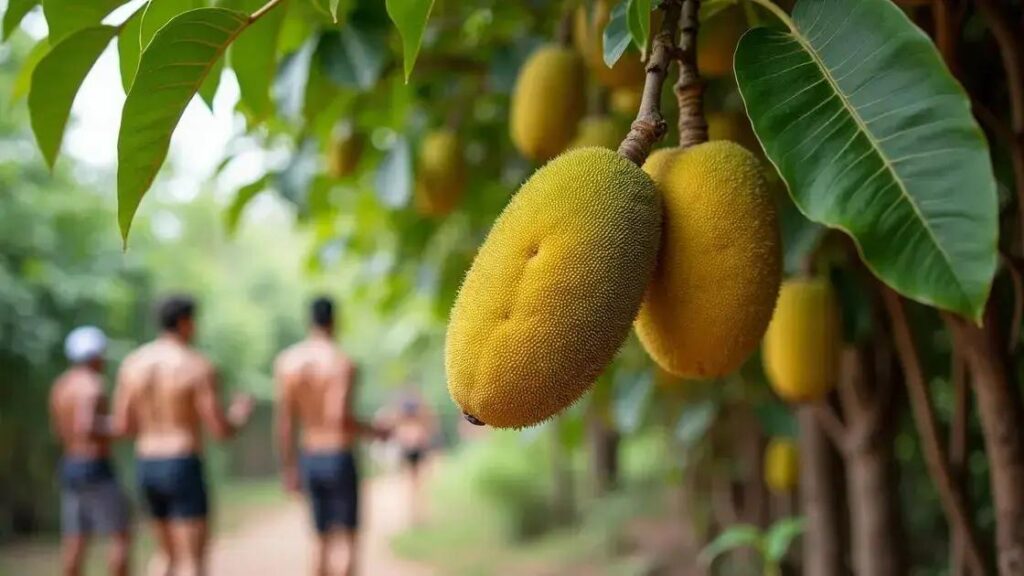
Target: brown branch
[689,89]
[649,126]
[947,32]
[950,496]
[1018,300]
[834,428]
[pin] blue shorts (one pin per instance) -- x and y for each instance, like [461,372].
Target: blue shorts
[92,501]
[332,483]
[173,488]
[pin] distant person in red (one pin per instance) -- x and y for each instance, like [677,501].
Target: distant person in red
[316,384]
[92,502]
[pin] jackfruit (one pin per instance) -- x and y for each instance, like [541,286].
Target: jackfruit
[717,39]
[548,102]
[441,173]
[553,290]
[803,342]
[626,101]
[781,465]
[627,72]
[603,131]
[343,155]
[712,294]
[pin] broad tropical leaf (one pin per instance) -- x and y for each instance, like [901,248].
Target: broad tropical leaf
[158,13]
[616,36]
[23,81]
[56,81]
[65,17]
[16,11]
[253,58]
[129,48]
[171,70]
[410,17]
[639,22]
[874,137]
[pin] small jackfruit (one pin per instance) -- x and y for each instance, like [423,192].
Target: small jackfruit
[603,131]
[803,342]
[343,155]
[553,290]
[628,71]
[626,101]
[440,174]
[548,102]
[717,39]
[782,465]
[712,294]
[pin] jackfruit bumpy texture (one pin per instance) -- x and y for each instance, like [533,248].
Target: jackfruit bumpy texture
[553,290]
[718,273]
[440,174]
[548,102]
[781,465]
[803,342]
[603,131]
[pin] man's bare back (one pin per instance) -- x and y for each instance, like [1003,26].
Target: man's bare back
[315,380]
[76,399]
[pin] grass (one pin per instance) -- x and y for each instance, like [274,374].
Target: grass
[233,502]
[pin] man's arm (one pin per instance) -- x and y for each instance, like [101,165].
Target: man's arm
[284,426]
[348,419]
[222,426]
[122,422]
[90,419]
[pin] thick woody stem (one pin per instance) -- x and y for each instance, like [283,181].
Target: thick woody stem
[649,126]
[689,89]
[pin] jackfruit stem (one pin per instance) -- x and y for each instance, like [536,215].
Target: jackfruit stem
[650,126]
[472,419]
[689,89]
[565,27]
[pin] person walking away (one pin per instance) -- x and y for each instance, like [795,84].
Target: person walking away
[166,394]
[315,394]
[413,428]
[92,502]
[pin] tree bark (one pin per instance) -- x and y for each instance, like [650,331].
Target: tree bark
[876,528]
[604,454]
[822,546]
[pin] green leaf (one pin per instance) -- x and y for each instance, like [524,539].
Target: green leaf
[639,22]
[23,81]
[351,57]
[170,73]
[780,536]
[616,36]
[208,90]
[410,17]
[799,237]
[695,420]
[158,13]
[65,17]
[394,176]
[240,201]
[254,58]
[56,81]
[16,11]
[334,10]
[129,47]
[873,136]
[734,537]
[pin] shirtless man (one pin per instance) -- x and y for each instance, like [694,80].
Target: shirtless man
[316,387]
[166,393]
[91,499]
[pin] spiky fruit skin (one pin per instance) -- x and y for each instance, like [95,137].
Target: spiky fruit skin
[803,342]
[782,465]
[548,102]
[712,294]
[626,101]
[603,131]
[553,290]
[717,39]
[440,174]
[343,155]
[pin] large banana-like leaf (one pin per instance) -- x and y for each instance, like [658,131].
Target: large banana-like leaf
[873,136]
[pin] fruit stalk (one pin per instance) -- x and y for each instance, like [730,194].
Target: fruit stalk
[649,126]
[689,89]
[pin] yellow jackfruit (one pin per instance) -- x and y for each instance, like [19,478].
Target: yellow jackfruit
[344,153]
[441,173]
[712,294]
[603,131]
[627,72]
[626,101]
[548,102]
[553,290]
[717,39]
[803,342]
[781,465]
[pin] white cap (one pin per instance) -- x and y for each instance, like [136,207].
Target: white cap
[85,343]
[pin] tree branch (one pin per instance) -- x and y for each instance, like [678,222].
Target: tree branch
[263,10]
[1018,300]
[649,126]
[950,496]
[834,428]
[689,89]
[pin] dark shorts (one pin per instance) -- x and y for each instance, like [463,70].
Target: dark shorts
[91,500]
[173,487]
[413,456]
[332,483]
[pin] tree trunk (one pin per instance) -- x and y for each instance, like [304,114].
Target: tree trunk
[822,547]
[999,406]
[875,523]
[604,454]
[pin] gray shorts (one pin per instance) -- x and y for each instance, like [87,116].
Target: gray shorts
[96,508]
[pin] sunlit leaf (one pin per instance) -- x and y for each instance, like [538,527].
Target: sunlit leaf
[410,17]
[639,22]
[245,194]
[23,81]
[208,89]
[780,536]
[394,176]
[16,11]
[56,81]
[158,13]
[873,136]
[170,73]
[616,34]
[129,48]
[733,538]
[65,17]
[254,58]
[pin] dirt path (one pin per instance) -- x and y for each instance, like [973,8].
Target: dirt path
[278,543]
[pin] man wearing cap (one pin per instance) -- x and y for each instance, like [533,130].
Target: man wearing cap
[166,394]
[92,502]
